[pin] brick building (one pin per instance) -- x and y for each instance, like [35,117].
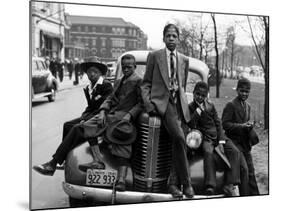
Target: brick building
[104,37]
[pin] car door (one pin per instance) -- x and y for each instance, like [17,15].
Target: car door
[39,76]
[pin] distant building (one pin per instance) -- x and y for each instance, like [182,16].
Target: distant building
[104,37]
[47,29]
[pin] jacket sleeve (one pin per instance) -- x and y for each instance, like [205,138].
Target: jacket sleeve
[107,90]
[147,84]
[194,116]
[227,120]
[111,100]
[138,107]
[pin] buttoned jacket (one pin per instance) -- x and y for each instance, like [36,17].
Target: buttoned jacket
[155,86]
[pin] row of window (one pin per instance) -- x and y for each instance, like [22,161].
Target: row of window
[115,41]
[114,30]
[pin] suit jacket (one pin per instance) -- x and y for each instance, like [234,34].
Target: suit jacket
[100,93]
[125,98]
[208,122]
[155,86]
[233,117]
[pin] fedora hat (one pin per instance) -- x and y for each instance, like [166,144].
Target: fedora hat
[121,132]
[86,65]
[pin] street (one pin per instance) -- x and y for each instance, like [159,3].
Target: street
[47,124]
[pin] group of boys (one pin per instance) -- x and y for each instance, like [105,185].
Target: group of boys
[111,112]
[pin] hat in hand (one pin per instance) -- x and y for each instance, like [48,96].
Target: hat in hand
[121,132]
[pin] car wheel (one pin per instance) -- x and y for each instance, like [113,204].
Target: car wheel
[52,96]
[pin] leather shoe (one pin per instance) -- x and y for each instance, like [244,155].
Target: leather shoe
[188,191]
[45,169]
[92,165]
[176,193]
[210,191]
[120,186]
[229,190]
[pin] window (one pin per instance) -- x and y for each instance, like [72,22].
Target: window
[94,42]
[86,29]
[118,43]
[78,28]
[103,42]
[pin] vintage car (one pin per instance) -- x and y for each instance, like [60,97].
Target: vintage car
[44,84]
[150,165]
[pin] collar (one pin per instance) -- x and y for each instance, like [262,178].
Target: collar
[168,52]
[99,82]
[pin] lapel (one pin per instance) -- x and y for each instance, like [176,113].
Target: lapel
[163,65]
[179,68]
[240,109]
[86,92]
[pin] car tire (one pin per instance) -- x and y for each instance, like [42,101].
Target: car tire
[52,97]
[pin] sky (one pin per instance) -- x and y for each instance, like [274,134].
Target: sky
[152,22]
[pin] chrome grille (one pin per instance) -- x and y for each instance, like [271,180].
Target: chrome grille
[152,156]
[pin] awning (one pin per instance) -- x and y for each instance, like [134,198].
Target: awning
[52,34]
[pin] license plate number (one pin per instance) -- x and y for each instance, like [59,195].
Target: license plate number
[96,177]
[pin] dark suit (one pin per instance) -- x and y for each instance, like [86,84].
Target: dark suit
[99,94]
[124,99]
[209,124]
[156,96]
[234,115]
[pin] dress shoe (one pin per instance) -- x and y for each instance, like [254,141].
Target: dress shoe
[48,168]
[210,191]
[92,165]
[121,178]
[188,191]
[174,190]
[229,190]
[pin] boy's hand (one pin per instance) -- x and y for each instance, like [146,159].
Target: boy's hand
[221,147]
[127,117]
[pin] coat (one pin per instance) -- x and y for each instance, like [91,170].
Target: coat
[233,117]
[155,86]
[125,98]
[208,122]
[100,93]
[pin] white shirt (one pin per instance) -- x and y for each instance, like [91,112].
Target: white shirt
[168,52]
[92,88]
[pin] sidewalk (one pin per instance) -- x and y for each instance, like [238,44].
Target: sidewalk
[68,84]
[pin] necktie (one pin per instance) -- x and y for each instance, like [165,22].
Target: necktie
[173,78]
[172,65]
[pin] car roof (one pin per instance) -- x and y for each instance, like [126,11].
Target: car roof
[195,65]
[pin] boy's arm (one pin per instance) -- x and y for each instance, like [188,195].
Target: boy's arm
[228,123]
[195,114]
[134,112]
[147,84]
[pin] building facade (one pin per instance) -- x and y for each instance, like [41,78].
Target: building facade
[48,29]
[103,37]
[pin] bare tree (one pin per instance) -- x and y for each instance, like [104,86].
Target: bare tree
[262,48]
[217,56]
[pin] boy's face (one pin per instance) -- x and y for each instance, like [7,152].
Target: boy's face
[200,94]
[93,74]
[243,93]
[171,38]
[128,67]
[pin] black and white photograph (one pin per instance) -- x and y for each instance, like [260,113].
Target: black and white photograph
[137,105]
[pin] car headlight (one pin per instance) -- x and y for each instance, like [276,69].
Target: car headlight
[194,139]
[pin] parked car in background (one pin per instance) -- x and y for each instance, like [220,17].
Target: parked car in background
[44,84]
[151,161]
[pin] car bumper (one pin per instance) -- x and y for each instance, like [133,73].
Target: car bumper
[109,196]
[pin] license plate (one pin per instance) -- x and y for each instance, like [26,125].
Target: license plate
[97,177]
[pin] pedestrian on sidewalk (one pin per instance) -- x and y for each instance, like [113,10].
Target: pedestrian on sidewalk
[76,71]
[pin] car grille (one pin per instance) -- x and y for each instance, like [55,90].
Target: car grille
[152,156]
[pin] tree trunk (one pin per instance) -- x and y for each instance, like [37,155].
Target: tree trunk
[217,58]
[266,74]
